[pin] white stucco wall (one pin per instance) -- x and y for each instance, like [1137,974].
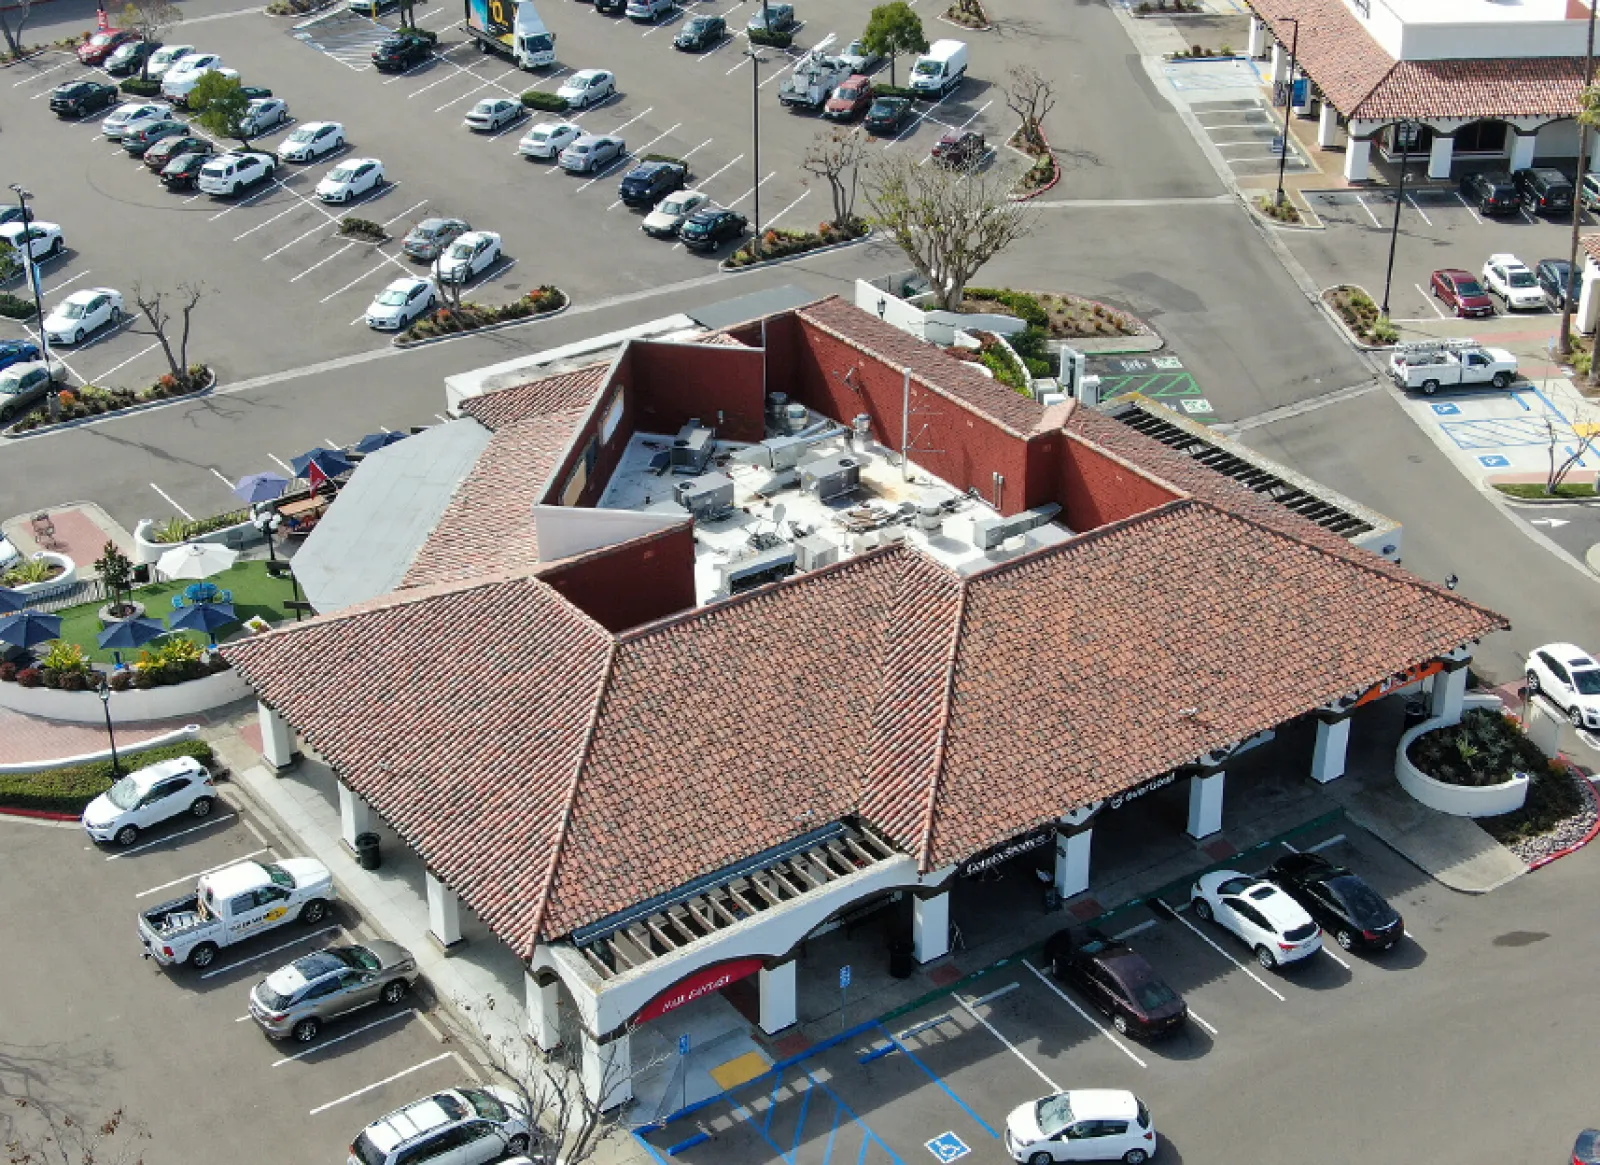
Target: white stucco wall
[1442,41]
[1559,139]
[130,707]
[1457,800]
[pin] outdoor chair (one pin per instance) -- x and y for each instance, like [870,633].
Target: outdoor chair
[177,602]
[44,532]
[224,596]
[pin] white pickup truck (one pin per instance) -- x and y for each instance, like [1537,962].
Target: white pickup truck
[233,903]
[813,81]
[1429,367]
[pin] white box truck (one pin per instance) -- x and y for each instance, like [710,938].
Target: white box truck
[515,31]
[940,69]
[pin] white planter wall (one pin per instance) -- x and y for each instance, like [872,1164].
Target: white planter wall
[63,581]
[1457,800]
[124,752]
[172,702]
[145,550]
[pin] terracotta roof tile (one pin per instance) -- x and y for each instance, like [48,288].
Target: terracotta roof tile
[1333,49]
[1591,246]
[563,393]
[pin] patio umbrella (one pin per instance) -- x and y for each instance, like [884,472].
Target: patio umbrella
[261,487]
[30,628]
[196,560]
[205,617]
[131,633]
[329,462]
[372,442]
[11,601]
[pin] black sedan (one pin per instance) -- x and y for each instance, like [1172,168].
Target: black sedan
[887,115]
[129,58]
[81,98]
[703,32]
[184,171]
[1338,901]
[706,230]
[1117,980]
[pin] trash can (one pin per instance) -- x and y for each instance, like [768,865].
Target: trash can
[902,958]
[1416,711]
[368,856]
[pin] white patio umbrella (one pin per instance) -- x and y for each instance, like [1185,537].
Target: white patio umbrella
[196,560]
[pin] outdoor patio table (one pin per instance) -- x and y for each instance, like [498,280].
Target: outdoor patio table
[200,592]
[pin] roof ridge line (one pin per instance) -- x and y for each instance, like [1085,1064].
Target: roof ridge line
[952,652]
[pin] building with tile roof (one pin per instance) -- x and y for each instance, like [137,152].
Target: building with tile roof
[719,642]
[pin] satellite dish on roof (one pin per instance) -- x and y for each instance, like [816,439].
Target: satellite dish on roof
[778,512]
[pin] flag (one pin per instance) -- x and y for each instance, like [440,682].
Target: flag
[316,477]
[101,19]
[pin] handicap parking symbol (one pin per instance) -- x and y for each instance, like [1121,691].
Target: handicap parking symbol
[948,1147]
[1446,410]
[1495,461]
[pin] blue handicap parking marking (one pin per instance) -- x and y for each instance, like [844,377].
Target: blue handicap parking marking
[1447,410]
[1495,461]
[948,1147]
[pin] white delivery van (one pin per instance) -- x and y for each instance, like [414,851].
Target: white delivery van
[940,69]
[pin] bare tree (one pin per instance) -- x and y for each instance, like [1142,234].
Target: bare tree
[1031,96]
[1584,434]
[41,1135]
[949,223]
[153,306]
[150,19]
[12,20]
[835,156]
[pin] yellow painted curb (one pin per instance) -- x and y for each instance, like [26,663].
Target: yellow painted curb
[741,1070]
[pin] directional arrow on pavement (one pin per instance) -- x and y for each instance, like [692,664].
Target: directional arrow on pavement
[1552,522]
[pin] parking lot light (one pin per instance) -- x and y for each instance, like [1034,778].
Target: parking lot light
[1288,102]
[756,61]
[104,692]
[1407,131]
[32,269]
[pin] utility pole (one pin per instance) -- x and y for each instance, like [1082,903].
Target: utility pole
[1407,131]
[1564,336]
[756,61]
[1288,101]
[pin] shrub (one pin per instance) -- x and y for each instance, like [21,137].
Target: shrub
[32,570]
[769,38]
[1027,308]
[70,789]
[138,87]
[1485,748]
[549,102]
[426,34]
[1552,797]
[65,658]
[120,680]
[144,681]
[1384,332]
[362,228]
[665,158]
[15,307]
[175,530]
[30,677]
[8,672]
[74,681]
[893,91]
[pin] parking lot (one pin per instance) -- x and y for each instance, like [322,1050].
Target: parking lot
[176,1048]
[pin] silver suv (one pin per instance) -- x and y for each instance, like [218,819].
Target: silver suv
[463,1126]
[297,999]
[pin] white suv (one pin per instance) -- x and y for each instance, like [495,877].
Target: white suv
[461,1126]
[1271,923]
[148,796]
[1086,1124]
[1570,677]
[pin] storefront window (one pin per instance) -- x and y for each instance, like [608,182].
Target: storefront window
[1481,137]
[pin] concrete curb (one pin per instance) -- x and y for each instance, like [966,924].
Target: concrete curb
[1594,831]
[39,814]
[407,345]
[723,266]
[84,422]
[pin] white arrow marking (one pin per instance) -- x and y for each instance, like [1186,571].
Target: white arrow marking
[1552,522]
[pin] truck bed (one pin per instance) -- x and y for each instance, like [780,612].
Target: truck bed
[175,917]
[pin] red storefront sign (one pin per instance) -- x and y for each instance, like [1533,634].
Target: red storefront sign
[696,986]
[1405,679]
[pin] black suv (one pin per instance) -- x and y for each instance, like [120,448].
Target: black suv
[401,52]
[1544,191]
[701,33]
[1492,192]
[615,7]
[81,98]
[646,185]
[1559,281]
[708,229]
[126,63]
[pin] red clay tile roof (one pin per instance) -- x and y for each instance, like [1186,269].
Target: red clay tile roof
[1591,246]
[953,379]
[565,392]
[1364,82]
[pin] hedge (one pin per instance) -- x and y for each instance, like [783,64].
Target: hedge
[893,91]
[139,87]
[69,790]
[537,99]
[15,307]
[426,34]
[772,40]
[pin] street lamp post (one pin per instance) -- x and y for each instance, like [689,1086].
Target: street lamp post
[1288,101]
[1407,130]
[31,267]
[756,61]
[104,692]
[268,522]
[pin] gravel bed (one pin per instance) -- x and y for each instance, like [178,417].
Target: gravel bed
[1568,831]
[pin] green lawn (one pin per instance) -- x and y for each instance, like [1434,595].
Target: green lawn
[255,592]
[1535,489]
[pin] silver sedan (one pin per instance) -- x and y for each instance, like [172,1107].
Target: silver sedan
[296,1000]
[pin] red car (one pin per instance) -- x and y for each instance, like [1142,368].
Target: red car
[960,149]
[850,100]
[1461,291]
[102,44]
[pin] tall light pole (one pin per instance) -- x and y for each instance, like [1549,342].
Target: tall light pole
[1407,130]
[32,268]
[756,61]
[1564,337]
[104,692]
[1288,101]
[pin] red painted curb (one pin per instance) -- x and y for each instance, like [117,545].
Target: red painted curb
[45,814]
[1594,830]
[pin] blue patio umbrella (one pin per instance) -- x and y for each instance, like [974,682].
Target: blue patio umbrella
[11,601]
[131,633]
[372,442]
[261,487]
[331,462]
[205,617]
[30,628]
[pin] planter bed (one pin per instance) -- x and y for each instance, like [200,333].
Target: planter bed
[91,402]
[778,245]
[69,789]
[1482,767]
[1358,312]
[474,317]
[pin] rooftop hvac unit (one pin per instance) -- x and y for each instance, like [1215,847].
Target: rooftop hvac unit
[758,569]
[787,451]
[829,477]
[692,448]
[816,552]
[992,533]
[706,496]
[796,418]
[777,402]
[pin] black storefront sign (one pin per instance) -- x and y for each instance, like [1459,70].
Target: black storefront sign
[1005,851]
[1117,800]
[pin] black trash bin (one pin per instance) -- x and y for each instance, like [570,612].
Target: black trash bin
[902,959]
[1416,711]
[368,855]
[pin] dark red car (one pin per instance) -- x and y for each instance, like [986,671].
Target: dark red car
[102,44]
[850,100]
[1461,291]
[960,149]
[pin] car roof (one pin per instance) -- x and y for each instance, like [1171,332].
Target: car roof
[405,283]
[1455,273]
[1506,260]
[1281,910]
[1569,653]
[1103,1104]
[404,1124]
[84,296]
[235,879]
[588,74]
[160,771]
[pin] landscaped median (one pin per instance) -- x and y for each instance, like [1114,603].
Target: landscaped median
[475,317]
[776,245]
[1360,314]
[67,791]
[91,400]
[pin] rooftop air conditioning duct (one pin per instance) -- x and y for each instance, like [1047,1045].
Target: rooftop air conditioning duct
[705,496]
[692,448]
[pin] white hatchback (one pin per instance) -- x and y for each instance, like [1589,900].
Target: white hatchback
[548,139]
[1271,923]
[83,313]
[165,57]
[1569,677]
[1085,1124]
[492,113]
[351,178]
[400,303]
[470,255]
[311,141]
[149,796]
[672,212]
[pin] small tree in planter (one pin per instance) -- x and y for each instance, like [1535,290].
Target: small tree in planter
[835,156]
[116,571]
[153,306]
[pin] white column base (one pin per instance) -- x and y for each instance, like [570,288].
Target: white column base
[607,1071]
[930,927]
[1440,156]
[1588,317]
[1357,160]
[544,1012]
[1258,37]
[1280,63]
[1072,863]
[1328,757]
[1543,724]
[1449,691]
[1327,126]
[355,815]
[277,739]
[1205,804]
[1522,150]
[779,1005]
[444,914]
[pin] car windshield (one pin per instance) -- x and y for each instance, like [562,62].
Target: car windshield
[342,174]
[926,68]
[674,205]
[461,251]
[1587,681]
[1053,1113]
[1468,287]
[100,38]
[271,999]
[366,1152]
[486,1106]
[279,875]
[125,793]
[393,297]
[72,311]
[1520,278]
[358,958]
[845,93]
[1153,994]
[303,134]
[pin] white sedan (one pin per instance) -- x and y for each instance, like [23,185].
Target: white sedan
[350,178]
[82,313]
[132,116]
[1509,278]
[1271,923]
[548,139]
[149,796]
[588,87]
[489,115]
[1085,1124]
[43,239]
[262,114]
[671,212]
[470,255]
[311,141]
[166,57]
[400,303]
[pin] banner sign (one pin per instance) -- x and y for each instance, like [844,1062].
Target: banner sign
[1412,675]
[1004,852]
[697,986]
[1117,800]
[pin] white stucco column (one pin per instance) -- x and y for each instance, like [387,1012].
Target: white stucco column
[1544,725]
[607,1071]
[1280,62]
[1258,37]
[1440,155]
[1589,299]
[1357,160]
[277,739]
[1328,757]
[779,1005]
[444,913]
[930,927]
[1522,150]
[1072,862]
[355,815]
[1327,126]
[544,1012]
[1205,803]
[1449,690]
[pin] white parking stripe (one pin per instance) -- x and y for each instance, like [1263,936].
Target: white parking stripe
[40,73]
[1262,983]
[1470,211]
[256,958]
[1428,299]
[1333,956]
[1322,845]
[707,181]
[1045,979]
[380,1083]
[352,283]
[752,189]
[217,473]
[405,212]
[1194,1016]
[275,184]
[321,226]
[1418,209]
[786,209]
[267,222]
[1368,209]
[208,822]
[435,84]
[701,146]
[1133,930]
[201,874]
[1288,847]
[1037,1071]
[321,263]
[117,368]
[65,282]
[286,466]
[342,1038]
